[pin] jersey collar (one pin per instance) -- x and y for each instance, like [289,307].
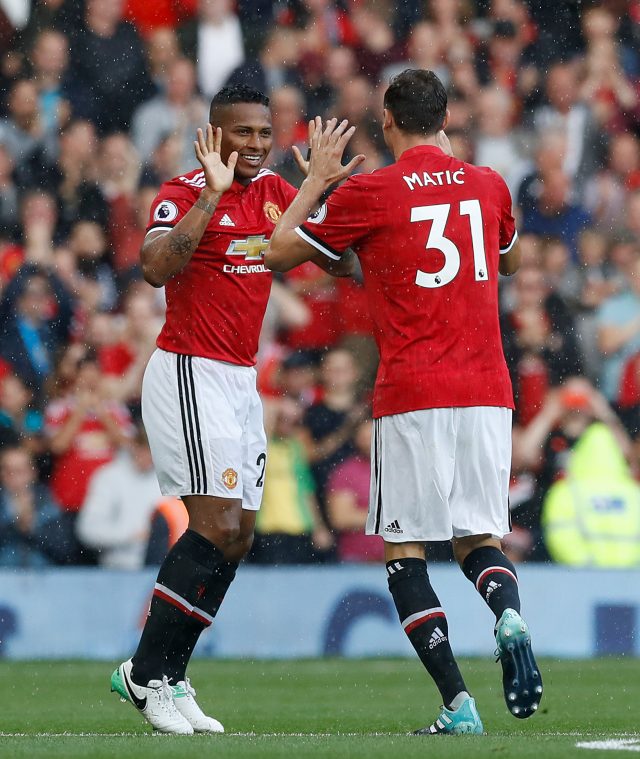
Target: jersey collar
[420,150]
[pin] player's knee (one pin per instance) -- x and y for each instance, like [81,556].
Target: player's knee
[240,548]
[227,534]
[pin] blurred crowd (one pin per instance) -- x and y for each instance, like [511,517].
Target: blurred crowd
[99,103]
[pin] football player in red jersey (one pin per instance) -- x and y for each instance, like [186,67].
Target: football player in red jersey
[206,239]
[431,233]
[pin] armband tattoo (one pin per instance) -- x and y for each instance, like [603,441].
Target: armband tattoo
[207,206]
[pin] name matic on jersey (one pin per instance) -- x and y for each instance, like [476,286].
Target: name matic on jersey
[436,178]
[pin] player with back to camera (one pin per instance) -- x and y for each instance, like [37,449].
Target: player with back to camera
[206,239]
[431,233]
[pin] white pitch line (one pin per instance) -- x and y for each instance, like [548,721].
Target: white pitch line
[627,744]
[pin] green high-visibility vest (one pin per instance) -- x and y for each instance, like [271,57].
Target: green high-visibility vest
[592,517]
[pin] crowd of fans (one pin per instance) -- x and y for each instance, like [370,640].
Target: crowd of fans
[99,103]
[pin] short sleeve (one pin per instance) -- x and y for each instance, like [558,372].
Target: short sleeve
[173,201]
[341,222]
[508,233]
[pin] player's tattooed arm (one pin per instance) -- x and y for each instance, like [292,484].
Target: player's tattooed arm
[164,254]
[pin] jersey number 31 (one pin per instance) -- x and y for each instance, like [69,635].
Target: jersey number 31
[439,215]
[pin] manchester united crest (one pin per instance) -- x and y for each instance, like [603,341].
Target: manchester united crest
[272,212]
[230,478]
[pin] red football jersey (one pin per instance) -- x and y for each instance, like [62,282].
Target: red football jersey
[428,231]
[216,304]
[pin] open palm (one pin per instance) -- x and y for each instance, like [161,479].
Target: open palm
[218,176]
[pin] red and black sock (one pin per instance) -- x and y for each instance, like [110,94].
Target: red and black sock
[495,578]
[185,639]
[182,581]
[425,624]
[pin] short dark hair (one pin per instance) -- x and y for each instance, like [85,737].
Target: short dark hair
[418,101]
[238,93]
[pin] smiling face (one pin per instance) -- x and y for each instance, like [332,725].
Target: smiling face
[246,127]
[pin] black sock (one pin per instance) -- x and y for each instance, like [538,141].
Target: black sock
[186,637]
[494,577]
[182,579]
[425,624]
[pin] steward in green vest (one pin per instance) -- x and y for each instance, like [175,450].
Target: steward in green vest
[591,518]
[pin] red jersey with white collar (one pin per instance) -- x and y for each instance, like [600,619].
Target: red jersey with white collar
[428,231]
[216,304]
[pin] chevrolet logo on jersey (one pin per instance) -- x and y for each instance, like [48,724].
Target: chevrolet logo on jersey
[252,248]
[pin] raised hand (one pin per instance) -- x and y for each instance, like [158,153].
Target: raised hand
[303,163]
[218,176]
[443,143]
[327,147]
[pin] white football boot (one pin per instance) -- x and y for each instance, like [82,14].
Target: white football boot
[185,701]
[154,701]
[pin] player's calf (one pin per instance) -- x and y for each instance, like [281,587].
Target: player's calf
[425,624]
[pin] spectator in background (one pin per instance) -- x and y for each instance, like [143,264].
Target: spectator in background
[50,61]
[348,502]
[118,175]
[164,162]
[168,522]
[88,246]
[85,428]
[108,65]
[39,221]
[73,178]
[596,284]
[591,518]
[289,128]
[115,518]
[560,272]
[275,65]
[213,41]
[496,143]
[328,426]
[289,526]
[618,321]
[8,195]
[555,212]
[18,419]
[162,50]
[179,110]
[544,445]
[606,192]
[31,534]
[566,113]
[23,131]
[425,50]
[539,342]
[35,319]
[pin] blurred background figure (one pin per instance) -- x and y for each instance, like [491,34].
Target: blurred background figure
[31,533]
[348,502]
[289,527]
[122,496]
[591,518]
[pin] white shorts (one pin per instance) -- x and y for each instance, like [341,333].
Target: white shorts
[205,426]
[440,473]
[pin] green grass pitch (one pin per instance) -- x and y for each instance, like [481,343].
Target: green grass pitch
[318,708]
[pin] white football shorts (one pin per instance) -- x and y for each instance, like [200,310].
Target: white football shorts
[440,473]
[205,426]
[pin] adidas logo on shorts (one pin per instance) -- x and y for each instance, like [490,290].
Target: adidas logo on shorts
[437,637]
[393,527]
